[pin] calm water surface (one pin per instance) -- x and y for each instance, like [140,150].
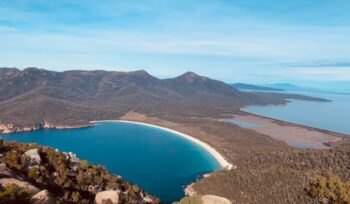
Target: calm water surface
[333,116]
[158,161]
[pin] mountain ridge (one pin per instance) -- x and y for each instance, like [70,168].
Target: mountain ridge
[73,98]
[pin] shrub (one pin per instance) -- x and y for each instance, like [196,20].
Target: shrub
[13,158]
[84,164]
[329,189]
[75,196]
[32,172]
[13,194]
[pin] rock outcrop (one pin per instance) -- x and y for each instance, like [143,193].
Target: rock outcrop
[26,186]
[73,162]
[110,197]
[147,199]
[7,172]
[43,197]
[32,158]
[8,128]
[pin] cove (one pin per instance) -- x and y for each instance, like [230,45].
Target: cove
[159,161]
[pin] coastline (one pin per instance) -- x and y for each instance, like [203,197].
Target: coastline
[295,135]
[217,156]
[9,128]
[283,122]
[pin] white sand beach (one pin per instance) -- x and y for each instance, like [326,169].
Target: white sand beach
[222,161]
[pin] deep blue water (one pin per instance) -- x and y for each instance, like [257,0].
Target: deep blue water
[160,162]
[333,116]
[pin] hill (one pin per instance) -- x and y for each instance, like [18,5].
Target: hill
[36,98]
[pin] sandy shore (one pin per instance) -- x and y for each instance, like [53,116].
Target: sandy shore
[292,134]
[221,160]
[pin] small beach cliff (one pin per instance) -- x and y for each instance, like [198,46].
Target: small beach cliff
[8,128]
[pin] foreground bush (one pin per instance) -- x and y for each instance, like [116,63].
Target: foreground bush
[13,194]
[329,189]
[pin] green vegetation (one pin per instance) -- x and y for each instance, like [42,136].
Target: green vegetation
[84,164]
[33,172]
[13,194]
[329,189]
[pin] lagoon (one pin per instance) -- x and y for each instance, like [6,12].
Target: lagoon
[160,162]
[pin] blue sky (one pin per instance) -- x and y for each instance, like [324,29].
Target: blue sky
[252,41]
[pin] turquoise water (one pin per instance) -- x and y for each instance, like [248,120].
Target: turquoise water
[333,116]
[158,161]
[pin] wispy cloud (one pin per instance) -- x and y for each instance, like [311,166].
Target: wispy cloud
[327,64]
[218,38]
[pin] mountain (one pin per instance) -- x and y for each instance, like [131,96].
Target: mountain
[36,98]
[244,86]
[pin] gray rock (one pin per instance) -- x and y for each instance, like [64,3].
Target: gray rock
[7,172]
[93,188]
[147,199]
[28,187]
[73,158]
[32,158]
[74,162]
[110,197]
[43,197]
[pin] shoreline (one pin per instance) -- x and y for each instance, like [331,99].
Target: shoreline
[284,122]
[217,156]
[5,130]
[295,135]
